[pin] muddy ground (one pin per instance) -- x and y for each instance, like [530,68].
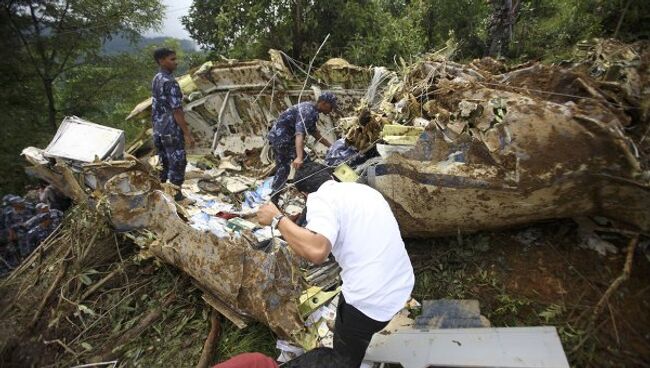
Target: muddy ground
[535,275]
[539,276]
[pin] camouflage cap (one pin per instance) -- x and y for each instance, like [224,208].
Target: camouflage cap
[328,97]
[42,206]
[36,220]
[16,200]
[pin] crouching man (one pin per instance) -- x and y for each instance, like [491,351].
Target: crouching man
[355,224]
[287,136]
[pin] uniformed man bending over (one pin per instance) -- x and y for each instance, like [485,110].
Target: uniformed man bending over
[287,136]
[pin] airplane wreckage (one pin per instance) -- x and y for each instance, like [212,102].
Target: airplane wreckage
[453,148]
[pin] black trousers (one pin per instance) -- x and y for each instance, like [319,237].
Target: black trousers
[353,331]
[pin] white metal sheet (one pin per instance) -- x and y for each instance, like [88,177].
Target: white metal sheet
[81,140]
[521,347]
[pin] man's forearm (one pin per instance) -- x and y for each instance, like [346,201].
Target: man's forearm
[306,244]
[319,138]
[179,117]
[300,146]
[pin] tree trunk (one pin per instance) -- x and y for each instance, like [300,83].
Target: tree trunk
[620,20]
[297,39]
[500,27]
[51,107]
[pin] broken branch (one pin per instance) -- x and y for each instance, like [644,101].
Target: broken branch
[100,283]
[49,292]
[627,269]
[210,341]
[111,352]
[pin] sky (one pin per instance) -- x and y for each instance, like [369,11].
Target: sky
[172,26]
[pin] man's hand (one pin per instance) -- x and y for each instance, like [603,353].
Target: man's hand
[297,163]
[266,213]
[189,140]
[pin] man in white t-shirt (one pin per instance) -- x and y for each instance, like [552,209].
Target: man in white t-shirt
[355,224]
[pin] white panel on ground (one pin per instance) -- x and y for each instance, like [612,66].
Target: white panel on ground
[81,140]
[521,347]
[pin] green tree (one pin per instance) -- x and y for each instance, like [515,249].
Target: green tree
[465,20]
[368,31]
[59,36]
[106,91]
[549,29]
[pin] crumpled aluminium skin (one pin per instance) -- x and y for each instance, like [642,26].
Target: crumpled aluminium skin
[496,155]
[259,285]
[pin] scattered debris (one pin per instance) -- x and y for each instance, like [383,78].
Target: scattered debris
[454,148]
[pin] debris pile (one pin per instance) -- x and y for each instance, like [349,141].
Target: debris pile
[231,105]
[469,147]
[453,147]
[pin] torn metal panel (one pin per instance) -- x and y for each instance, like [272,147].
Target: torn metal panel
[494,157]
[263,286]
[62,177]
[531,347]
[339,72]
[82,141]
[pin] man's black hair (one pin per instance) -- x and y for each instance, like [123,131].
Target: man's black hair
[162,53]
[319,358]
[311,176]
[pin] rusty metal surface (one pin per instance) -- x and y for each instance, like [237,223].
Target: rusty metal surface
[262,286]
[502,150]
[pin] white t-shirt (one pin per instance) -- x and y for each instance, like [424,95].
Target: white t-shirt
[376,270]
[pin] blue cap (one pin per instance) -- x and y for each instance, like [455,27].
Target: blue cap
[36,220]
[16,200]
[328,97]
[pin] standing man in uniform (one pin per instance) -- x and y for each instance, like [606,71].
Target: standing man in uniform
[354,222]
[287,136]
[170,129]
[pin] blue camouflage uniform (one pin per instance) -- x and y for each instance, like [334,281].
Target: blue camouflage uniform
[15,220]
[340,152]
[167,135]
[298,119]
[57,217]
[36,233]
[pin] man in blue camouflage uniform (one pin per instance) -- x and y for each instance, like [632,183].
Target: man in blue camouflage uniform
[39,228]
[287,136]
[170,130]
[340,152]
[16,216]
[55,215]
[8,258]
[4,232]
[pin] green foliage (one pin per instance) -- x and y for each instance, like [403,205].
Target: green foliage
[463,19]
[120,45]
[362,31]
[106,91]
[44,42]
[548,29]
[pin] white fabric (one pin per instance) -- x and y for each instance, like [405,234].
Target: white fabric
[376,270]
